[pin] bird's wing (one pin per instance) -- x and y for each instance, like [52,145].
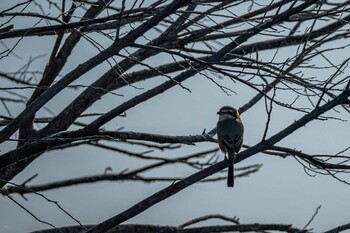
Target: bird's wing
[234,142]
[232,135]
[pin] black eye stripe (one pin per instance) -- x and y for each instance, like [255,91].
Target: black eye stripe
[229,112]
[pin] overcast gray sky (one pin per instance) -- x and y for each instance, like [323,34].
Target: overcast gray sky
[281,192]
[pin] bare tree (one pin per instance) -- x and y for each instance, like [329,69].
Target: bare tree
[271,51]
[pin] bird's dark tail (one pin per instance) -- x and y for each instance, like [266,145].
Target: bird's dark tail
[230,175]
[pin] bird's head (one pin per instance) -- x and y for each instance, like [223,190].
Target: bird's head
[228,112]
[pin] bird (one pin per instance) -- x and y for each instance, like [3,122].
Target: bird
[230,132]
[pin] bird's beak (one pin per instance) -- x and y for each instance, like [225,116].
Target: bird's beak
[218,113]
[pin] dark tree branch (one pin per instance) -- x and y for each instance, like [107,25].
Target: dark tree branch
[31,109]
[123,176]
[219,228]
[177,187]
[279,46]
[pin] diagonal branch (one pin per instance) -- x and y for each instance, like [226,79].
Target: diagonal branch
[31,109]
[177,187]
[196,68]
[110,80]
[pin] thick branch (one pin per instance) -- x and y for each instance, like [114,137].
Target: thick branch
[177,187]
[28,113]
[158,229]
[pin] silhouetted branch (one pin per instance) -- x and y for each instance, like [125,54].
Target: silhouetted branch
[31,109]
[339,228]
[219,228]
[207,217]
[177,187]
[283,52]
[124,176]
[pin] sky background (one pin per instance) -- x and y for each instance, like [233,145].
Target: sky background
[281,192]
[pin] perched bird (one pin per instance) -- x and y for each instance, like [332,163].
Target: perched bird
[230,136]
